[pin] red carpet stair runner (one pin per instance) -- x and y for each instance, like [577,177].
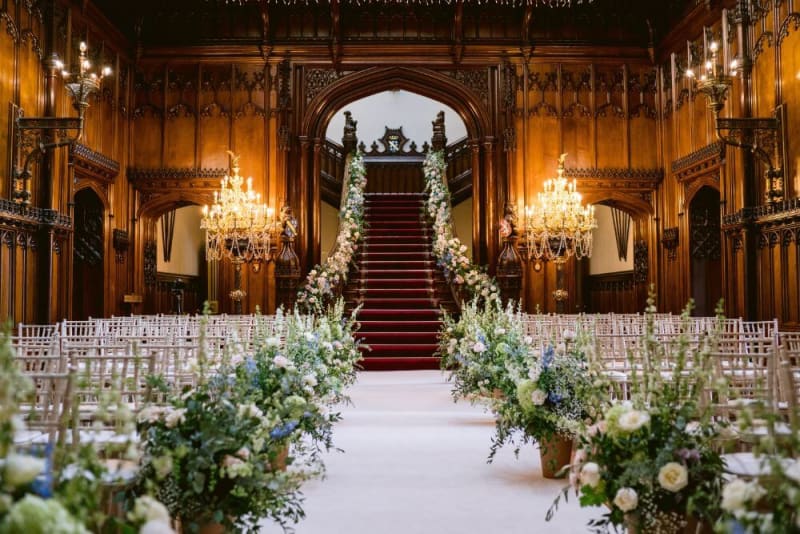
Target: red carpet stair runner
[398,284]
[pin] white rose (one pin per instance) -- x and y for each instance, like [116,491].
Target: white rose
[478,347]
[568,335]
[148,509]
[310,380]
[626,499]
[738,492]
[21,469]
[793,471]
[151,414]
[590,475]
[561,348]
[156,527]
[534,373]
[528,340]
[272,341]
[175,417]
[673,477]
[499,330]
[633,420]
[249,410]
[538,397]
[693,428]
[280,361]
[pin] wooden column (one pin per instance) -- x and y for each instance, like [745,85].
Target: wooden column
[315,246]
[305,215]
[477,198]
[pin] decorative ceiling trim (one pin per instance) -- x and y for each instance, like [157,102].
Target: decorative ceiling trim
[699,162]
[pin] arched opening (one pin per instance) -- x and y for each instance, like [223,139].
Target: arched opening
[88,274]
[393,126]
[479,148]
[614,279]
[705,250]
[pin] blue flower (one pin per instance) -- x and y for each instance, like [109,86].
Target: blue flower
[281,431]
[548,356]
[554,397]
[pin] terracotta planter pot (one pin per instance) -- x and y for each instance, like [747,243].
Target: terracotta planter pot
[212,528]
[555,453]
[279,464]
[693,526]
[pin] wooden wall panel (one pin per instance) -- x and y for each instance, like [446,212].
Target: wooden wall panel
[790,69]
[7,81]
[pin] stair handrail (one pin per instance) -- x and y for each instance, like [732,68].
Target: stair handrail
[325,281]
[466,280]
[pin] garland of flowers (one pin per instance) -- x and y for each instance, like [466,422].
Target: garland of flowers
[324,280]
[447,248]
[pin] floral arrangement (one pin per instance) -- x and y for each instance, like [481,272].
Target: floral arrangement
[323,348]
[556,394]
[211,458]
[479,346]
[54,487]
[324,280]
[652,460]
[447,248]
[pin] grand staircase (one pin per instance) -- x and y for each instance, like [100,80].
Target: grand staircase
[398,285]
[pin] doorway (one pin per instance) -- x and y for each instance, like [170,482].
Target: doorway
[705,250]
[88,256]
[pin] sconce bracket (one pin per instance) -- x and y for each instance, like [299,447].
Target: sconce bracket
[765,138]
[35,136]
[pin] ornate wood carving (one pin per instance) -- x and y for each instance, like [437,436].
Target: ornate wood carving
[509,263]
[316,80]
[93,163]
[121,242]
[88,240]
[150,264]
[705,235]
[287,263]
[699,162]
[476,80]
[669,240]
[640,261]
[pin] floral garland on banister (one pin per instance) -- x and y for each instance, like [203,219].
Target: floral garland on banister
[447,248]
[324,280]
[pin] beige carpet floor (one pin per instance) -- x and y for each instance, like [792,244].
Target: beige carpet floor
[414,462]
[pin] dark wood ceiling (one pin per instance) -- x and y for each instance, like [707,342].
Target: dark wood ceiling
[640,23]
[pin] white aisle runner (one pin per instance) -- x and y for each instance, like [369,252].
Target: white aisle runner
[415,463]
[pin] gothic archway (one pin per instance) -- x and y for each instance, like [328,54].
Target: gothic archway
[488,189]
[88,256]
[705,250]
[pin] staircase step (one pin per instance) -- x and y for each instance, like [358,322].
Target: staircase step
[412,274]
[398,338]
[379,363]
[389,283]
[396,247]
[389,292]
[369,265]
[411,223]
[400,314]
[416,232]
[400,303]
[367,325]
[402,349]
[393,256]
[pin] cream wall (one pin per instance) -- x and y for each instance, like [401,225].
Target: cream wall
[330,227]
[187,243]
[604,253]
[462,220]
[395,109]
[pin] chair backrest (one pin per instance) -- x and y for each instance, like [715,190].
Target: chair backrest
[49,409]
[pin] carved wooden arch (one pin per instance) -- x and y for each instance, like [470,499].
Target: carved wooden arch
[636,207]
[692,188]
[102,193]
[156,206]
[425,82]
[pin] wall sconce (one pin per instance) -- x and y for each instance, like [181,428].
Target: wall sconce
[37,135]
[763,136]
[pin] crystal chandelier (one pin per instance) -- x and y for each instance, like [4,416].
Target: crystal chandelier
[238,227]
[559,227]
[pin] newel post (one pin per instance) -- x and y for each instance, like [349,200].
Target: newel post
[287,263]
[509,263]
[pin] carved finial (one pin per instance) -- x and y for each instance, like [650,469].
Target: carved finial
[234,162]
[561,159]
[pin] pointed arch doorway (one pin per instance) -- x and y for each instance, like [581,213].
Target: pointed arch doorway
[88,256]
[305,192]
